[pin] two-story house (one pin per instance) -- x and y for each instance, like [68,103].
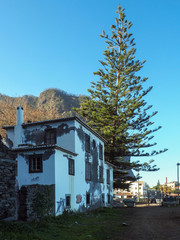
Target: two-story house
[65,153]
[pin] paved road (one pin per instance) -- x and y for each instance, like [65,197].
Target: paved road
[152,223]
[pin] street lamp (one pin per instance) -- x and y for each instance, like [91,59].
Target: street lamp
[178,178]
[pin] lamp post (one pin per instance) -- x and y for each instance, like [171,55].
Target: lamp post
[178,179]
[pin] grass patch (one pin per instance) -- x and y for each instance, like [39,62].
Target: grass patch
[100,224]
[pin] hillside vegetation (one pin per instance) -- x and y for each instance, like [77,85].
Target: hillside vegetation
[51,103]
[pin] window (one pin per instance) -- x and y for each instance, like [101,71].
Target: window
[87,143]
[102,198]
[50,136]
[100,151]
[71,167]
[109,198]
[101,180]
[94,144]
[108,176]
[87,198]
[68,201]
[88,171]
[35,164]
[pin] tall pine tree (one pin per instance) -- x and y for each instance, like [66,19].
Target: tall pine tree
[116,107]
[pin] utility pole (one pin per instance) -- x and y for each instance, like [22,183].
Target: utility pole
[138,184]
[178,179]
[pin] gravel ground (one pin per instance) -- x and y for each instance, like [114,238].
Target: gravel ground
[151,223]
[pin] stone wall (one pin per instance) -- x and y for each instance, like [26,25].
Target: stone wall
[8,193]
[36,201]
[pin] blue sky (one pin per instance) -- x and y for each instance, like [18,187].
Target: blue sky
[56,44]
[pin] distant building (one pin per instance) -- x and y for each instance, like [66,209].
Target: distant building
[173,185]
[139,189]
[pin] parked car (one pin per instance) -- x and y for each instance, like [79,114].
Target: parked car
[128,202]
[152,200]
[158,200]
[169,201]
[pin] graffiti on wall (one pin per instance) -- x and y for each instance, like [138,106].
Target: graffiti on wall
[60,206]
[78,198]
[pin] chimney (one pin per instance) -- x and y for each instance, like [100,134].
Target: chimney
[19,115]
[18,130]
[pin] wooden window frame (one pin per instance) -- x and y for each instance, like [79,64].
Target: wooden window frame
[103,198]
[87,143]
[68,200]
[100,151]
[71,166]
[101,173]
[108,198]
[108,176]
[34,166]
[48,139]
[88,171]
[88,198]
[94,144]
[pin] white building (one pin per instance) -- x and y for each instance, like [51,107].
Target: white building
[172,185]
[67,154]
[138,188]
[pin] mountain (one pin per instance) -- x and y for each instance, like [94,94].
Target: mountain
[52,98]
[51,103]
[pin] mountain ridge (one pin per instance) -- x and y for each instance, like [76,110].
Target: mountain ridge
[52,97]
[50,104]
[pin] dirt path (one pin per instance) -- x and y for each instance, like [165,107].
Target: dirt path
[152,223]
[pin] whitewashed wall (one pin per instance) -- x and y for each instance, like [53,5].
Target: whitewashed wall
[26,178]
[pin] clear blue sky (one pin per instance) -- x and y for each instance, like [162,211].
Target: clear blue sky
[56,44]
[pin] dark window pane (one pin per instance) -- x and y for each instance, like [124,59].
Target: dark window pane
[50,136]
[100,151]
[87,143]
[88,171]
[71,167]
[35,163]
[108,176]
[94,144]
[87,198]
[68,201]
[109,198]
[103,198]
[101,180]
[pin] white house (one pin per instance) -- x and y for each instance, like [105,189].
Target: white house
[138,188]
[67,154]
[172,185]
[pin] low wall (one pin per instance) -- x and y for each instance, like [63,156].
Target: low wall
[8,192]
[36,201]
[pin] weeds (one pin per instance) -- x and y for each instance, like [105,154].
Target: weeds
[100,224]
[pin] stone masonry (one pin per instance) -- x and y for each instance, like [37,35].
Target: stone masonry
[8,191]
[36,201]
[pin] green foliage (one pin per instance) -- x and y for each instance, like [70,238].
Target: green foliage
[42,203]
[116,107]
